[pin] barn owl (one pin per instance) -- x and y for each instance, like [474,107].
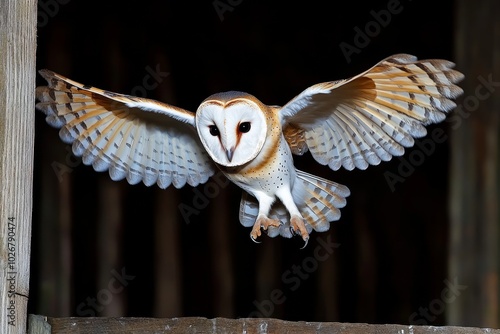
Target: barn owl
[350,123]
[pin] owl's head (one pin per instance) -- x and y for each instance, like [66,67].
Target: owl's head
[232,127]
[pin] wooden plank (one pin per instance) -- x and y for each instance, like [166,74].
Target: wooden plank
[17,105]
[109,239]
[244,325]
[54,245]
[168,256]
[37,324]
[222,259]
[475,167]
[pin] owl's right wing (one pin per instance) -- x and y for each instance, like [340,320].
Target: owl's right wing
[373,116]
[134,138]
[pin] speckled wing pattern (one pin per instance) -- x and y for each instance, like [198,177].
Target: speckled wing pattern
[134,138]
[318,201]
[371,117]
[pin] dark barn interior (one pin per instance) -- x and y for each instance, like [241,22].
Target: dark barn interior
[104,248]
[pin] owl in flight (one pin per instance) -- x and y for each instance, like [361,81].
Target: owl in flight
[350,123]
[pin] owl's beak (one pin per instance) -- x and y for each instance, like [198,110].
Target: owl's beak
[230,153]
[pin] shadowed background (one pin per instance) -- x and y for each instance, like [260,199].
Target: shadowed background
[104,248]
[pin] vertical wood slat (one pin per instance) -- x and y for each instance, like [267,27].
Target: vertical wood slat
[110,224]
[327,293]
[221,256]
[45,249]
[17,84]
[168,256]
[366,262]
[65,254]
[109,236]
[54,254]
[267,277]
[474,178]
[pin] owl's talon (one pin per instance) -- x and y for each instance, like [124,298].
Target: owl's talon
[305,244]
[295,233]
[262,223]
[298,227]
[254,240]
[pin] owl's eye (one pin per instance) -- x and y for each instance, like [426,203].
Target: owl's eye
[214,130]
[244,127]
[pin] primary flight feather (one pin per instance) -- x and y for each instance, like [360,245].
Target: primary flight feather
[351,123]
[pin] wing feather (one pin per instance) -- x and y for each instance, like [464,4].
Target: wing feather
[134,138]
[369,118]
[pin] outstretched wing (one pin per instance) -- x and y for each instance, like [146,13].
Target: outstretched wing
[371,117]
[135,138]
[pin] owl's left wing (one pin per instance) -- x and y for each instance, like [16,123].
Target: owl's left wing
[134,138]
[371,117]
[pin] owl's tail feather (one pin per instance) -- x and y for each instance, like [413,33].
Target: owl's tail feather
[318,200]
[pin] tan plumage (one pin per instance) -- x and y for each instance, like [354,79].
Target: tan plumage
[370,118]
[320,201]
[131,143]
[349,123]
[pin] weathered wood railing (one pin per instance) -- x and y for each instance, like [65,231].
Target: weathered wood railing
[43,325]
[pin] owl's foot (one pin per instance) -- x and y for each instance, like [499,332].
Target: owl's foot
[262,222]
[298,227]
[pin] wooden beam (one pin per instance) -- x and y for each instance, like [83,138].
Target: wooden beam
[37,324]
[224,325]
[17,113]
[475,168]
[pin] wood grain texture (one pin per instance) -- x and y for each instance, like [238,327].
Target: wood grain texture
[244,325]
[17,102]
[475,168]
[37,324]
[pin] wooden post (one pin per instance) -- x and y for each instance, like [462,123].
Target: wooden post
[475,168]
[17,112]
